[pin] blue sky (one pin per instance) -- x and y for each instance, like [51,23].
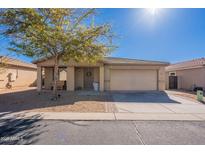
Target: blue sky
[171,35]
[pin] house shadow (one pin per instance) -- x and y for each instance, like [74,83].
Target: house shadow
[31,99]
[21,131]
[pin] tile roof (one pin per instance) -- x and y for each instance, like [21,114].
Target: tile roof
[15,62]
[187,64]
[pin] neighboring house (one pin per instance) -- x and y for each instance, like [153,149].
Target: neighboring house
[115,74]
[186,75]
[15,73]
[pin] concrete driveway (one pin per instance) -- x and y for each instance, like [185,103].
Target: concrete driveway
[155,104]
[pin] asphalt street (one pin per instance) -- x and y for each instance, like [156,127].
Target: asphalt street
[37,131]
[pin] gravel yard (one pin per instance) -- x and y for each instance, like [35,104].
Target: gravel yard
[185,94]
[76,107]
[30,100]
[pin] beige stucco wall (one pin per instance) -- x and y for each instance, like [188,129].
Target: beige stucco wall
[167,80]
[70,78]
[79,78]
[102,78]
[23,77]
[161,78]
[96,74]
[188,77]
[106,77]
[39,78]
[48,80]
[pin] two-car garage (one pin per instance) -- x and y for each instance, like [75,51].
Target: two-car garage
[133,79]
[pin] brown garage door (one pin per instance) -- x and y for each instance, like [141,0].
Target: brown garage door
[133,80]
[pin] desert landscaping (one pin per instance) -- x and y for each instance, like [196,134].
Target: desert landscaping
[28,99]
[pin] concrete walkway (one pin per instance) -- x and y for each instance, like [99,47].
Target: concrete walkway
[105,116]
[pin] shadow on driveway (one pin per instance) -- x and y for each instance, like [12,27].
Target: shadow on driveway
[143,97]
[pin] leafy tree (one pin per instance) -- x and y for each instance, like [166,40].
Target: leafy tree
[60,33]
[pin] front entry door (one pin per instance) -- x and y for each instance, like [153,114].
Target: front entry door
[88,78]
[173,82]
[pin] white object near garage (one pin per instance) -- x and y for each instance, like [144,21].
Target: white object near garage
[96,86]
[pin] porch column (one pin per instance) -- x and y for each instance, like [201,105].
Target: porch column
[101,78]
[39,78]
[70,78]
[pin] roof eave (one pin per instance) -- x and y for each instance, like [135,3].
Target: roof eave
[147,62]
[164,64]
[184,68]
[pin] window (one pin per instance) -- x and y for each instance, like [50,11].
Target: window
[62,74]
[172,73]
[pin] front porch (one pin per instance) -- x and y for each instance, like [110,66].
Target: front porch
[71,78]
[85,77]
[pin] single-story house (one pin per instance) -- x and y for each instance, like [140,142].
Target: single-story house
[16,73]
[186,75]
[110,74]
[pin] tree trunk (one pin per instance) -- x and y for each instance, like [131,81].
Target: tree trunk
[55,78]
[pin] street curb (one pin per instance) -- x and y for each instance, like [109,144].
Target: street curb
[104,116]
